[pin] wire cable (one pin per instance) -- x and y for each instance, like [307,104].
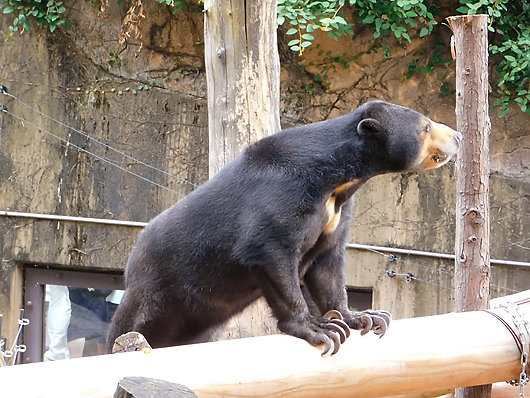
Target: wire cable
[90,153]
[409,277]
[97,141]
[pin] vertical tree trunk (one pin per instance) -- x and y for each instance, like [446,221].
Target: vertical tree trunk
[472,263]
[243,77]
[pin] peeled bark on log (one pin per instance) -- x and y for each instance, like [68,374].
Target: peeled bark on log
[419,356]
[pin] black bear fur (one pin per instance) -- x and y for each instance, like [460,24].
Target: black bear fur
[273,219]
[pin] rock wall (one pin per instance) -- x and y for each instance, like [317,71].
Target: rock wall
[153,109]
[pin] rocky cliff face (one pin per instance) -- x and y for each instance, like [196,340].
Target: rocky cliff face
[152,108]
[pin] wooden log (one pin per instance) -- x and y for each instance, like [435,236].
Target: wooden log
[418,356]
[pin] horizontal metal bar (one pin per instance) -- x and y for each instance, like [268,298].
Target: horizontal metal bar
[54,217]
[349,245]
[428,254]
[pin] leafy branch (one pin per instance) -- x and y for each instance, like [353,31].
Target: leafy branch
[509,26]
[47,14]
[385,17]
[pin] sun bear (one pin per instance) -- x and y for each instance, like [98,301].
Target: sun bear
[271,223]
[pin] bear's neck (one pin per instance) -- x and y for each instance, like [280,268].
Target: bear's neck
[356,161]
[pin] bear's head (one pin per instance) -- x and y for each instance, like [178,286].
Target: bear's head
[411,141]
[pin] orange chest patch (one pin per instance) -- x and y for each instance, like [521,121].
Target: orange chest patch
[333,215]
[332,211]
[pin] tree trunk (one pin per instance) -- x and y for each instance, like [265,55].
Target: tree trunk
[243,77]
[472,263]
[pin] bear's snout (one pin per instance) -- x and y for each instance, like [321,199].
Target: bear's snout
[439,144]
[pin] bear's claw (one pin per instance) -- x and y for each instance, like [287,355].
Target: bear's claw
[377,321]
[340,331]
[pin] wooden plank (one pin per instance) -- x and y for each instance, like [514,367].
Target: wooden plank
[416,356]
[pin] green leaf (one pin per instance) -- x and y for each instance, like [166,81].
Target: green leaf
[369,19]
[426,69]
[424,32]
[308,36]
[333,36]
[291,31]
[8,10]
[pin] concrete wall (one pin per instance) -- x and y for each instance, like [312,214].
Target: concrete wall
[66,75]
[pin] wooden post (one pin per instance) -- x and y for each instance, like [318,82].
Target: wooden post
[472,263]
[243,77]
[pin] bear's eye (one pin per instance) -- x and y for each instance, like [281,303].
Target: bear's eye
[428,128]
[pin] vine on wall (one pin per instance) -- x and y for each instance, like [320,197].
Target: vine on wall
[509,31]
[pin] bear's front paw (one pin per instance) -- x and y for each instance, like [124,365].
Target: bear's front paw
[330,329]
[365,321]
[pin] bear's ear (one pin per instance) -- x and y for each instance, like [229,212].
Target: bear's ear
[369,127]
